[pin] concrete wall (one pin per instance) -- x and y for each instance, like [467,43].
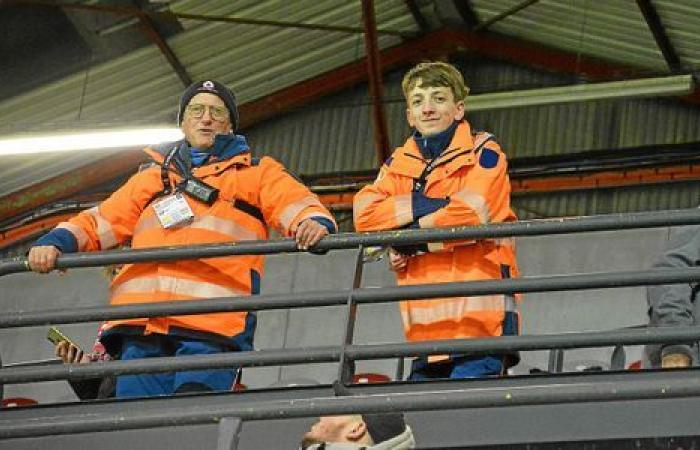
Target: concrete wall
[542,313]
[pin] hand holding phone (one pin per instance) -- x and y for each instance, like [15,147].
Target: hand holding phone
[66,349]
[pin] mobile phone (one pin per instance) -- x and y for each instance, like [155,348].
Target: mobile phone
[55,336]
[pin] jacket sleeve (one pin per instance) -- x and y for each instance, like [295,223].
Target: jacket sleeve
[672,305]
[378,206]
[485,198]
[112,222]
[285,201]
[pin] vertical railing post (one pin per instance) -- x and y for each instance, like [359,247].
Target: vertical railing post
[346,366]
[618,359]
[556,360]
[229,430]
[399,369]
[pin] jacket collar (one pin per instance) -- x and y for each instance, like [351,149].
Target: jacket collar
[408,161]
[232,150]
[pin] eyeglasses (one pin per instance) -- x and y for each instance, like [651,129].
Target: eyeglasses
[218,113]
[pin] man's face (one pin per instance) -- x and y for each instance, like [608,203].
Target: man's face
[331,429]
[432,109]
[200,131]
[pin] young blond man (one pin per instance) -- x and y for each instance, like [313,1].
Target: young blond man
[446,175]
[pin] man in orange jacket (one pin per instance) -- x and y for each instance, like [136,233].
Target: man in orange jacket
[207,188]
[445,175]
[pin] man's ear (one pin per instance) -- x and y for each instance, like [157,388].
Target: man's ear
[357,431]
[461,109]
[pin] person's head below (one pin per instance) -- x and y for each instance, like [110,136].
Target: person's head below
[358,432]
[435,93]
[207,108]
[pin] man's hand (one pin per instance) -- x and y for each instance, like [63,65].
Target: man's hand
[397,261]
[70,354]
[675,360]
[42,259]
[308,233]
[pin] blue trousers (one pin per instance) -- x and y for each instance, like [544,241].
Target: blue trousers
[156,345]
[459,367]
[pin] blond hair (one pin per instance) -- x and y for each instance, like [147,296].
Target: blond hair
[435,74]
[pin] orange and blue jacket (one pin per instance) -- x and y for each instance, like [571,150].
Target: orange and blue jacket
[468,185]
[253,194]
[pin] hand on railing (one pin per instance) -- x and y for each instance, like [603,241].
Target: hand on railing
[397,261]
[308,233]
[42,259]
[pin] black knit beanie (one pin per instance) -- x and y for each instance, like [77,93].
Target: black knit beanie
[382,427]
[209,87]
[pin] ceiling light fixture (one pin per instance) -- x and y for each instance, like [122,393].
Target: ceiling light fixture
[644,87]
[88,141]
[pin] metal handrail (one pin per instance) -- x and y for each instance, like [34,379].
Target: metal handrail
[353,240]
[361,296]
[290,356]
[668,385]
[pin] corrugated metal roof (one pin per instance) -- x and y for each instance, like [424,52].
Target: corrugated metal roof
[607,201]
[681,19]
[613,30]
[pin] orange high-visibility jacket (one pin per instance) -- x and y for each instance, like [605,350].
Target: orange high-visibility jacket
[252,195]
[472,174]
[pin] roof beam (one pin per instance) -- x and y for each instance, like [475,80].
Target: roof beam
[418,16]
[149,29]
[374,74]
[466,11]
[507,13]
[659,31]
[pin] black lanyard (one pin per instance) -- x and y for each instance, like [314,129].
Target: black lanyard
[167,187]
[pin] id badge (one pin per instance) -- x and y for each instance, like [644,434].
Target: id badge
[173,211]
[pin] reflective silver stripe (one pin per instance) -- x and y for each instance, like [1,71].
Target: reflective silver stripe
[436,246]
[146,223]
[505,242]
[105,233]
[403,209]
[476,201]
[210,223]
[427,221]
[228,227]
[455,308]
[291,211]
[362,202]
[174,285]
[511,304]
[481,138]
[76,231]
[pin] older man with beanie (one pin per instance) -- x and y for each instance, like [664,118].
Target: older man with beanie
[206,188]
[386,431]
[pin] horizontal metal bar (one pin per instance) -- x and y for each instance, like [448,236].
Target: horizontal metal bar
[355,352]
[261,358]
[635,386]
[485,346]
[353,240]
[597,280]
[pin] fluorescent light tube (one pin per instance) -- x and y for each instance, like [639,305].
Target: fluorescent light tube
[88,141]
[644,87]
